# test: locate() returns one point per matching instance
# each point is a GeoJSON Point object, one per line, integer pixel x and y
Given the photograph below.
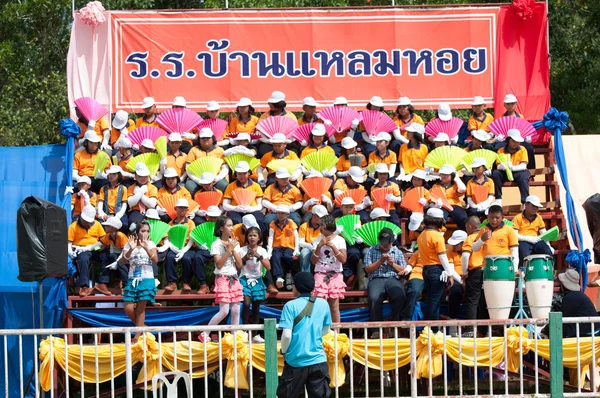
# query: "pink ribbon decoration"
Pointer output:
{"type": "Point", "coordinates": [92, 14]}
{"type": "Point", "coordinates": [523, 8]}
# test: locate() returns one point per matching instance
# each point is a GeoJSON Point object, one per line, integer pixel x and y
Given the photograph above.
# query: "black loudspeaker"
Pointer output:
{"type": "Point", "coordinates": [42, 241]}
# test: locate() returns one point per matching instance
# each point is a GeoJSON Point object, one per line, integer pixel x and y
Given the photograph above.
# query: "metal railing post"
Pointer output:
{"type": "Point", "coordinates": [556, 355]}
{"type": "Point", "coordinates": [271, 352]}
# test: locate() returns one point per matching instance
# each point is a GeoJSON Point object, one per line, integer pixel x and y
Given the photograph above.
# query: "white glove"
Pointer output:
{"type": "Point", "coordinates": [499, 138]}
{"type": "Point", "coordinates": [161, 211]}
{"type": "Point", "coordinates": [444, 277]}
{"type": "Point", "coordinates": [269, 252]}
{"type": "Point", "coordinates": [367, 201]}
{"type": "Point", "coordinates": [135, 147]}
{"type": "Point", "coordinates": [242, 209]}
{"type": "Point", "coordinates": [163, 248]}
{"type": "Point", "coordinates": [112, 266]}
{"type": "Point", "coordinates": [143, 189]}
{"type": "Point", "coordinates": [84, 194]}
{"type": "Point", "coordinates": [455, 139]}
{"type": "Point", "coordinates": [501, 167]}
{"type": "Point", "coordinates": [106, 147]}
{"type": "Point", "coordinates": [296, 253]}
{"type": "Point", "coordinates": [357, 226]}
{"type": "Point", "coordinates": [188, 136]}
{"type": "Point", "coordinates": [438, 204]}
{"type": "Point", "coordinates": [532, 239]}
{"type": "Point", "coordinates": [173, 248]}
{"type": "Point", "coordinates": [124, 132]}
{"type": "Point", "coordinates": [327, 173]}
{"type": "Point", "coordinates": [180, 255]}
{"type": "Point", "coordinates": [487, 173]}
{"type": "Point", "coordinates": [73, 254]}
{"type": "Point", "coordinates": [312, 202]}
{"type": "Point", "coordinates": [390, 197]}
{"type": "Point", "coordinates": [510, 166]}
{"type": "Point", "coordinates": [201, 213]}
{"type": "Point", "coordinates": [100, 175]}
{"type": "Point", "coordinates": [528, 139]}
{"type": "Point", "coordinates": [163, 162]}
{"type": "Point", "coordinates": [355, 124]}
{"type": "Point", "coordinates": [91, 124]}
{"type": "Point", "coordinates": [359, 240]}
{"type": "Point", "coordinates": [423, 201]}
{"type": "Point", "coordinates": [325, 199]}
{"type": "Point", "coordinates": [304, 143]}
{"type": "Point", "coordinates": [327, 122]}
{"type": "Point", "coordinates": [261, 180]}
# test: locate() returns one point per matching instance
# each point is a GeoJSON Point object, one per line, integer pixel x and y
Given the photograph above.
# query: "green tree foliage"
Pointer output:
{"type": "Point", "coordinates": [34, 40]}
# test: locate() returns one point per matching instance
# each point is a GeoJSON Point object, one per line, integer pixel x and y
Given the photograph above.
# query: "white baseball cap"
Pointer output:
{"type": "Point", "coordinates": [478, 100]}
{"type": "Point", "coordinates": [147, 102]}
{"type": "Point", "coordinates": [403, 101]}
{"type": "Point", "coordinates": [442, 137]}
{"type": "Point", "coordinates": [120, 120]}
{"type": "Point", "coordinates": [278, 138]}
{"type": "Point", "coordinates": [212, 106]}
{"type": "Point", "coordinates": [481, 135]}
{"type": "Point", "coordinates": [148, 143]}
{"type": "Point", "coordinates": [206, 178]}
{"type": "Point", "coordinates": [213, 211]}
{"type": "Point", "coordinates": [152, 214]}
{"type": "Point", "coordinates": [416, 128]}
{"type": "Point", "coordinates": [435, 213]}
{"type": "Point", "coordinates": [348, 142]}
{"type": "Point", "coordinates": [348, 201]}
{"type": "Point", "coordinates": [91, 136]}
{"type": "Point", "coordinates": [115, 169]}
{"type": "Point", "coordinates": [534, 200]}
{"type": "Point", "coordinates": [282, 209]}
{"type": "Point", "coordinates": [206, 132]}
{"type": "Point", "coordinates": [113, 222]}
{"type": "Point", "coordinates": [249, 221]}
{"type": "Point", "coordinates": [179, 101]}
{"type": "Point", "coordinates": [276, 96]}
{"type": "Point", "coordinates": [282, 173]}
{"type": "Point", "coordinates": [123, 142]}
{"type": "Point", "coordinates": [419, 174]}
{"type": "Point", "coordinates": [447, 169]}
{"type": "Point", "coordinates": [84, 180]}
{"type": "Point", "coordinates": [183, 202]}
{"type": "Point", "coordinates": [515, 134]}
{"type": "Point", "coordinates": [242, 167]}
{"type": "Point", "coordinates": [310, 101]}
{"type": "Point", "coordinates": [319, 210]}
{"type": "Point", "coordinates": [382, 137]}
{"type": "Point", "coordinates": [356, 174]}
{"type": "Point", "coordinates": [377, 213]}
{"type": "Point", "coordinates": [340, 101]}
{"type": "Point", "coordinates": [415, 221]}
{"type": "Point", "coordinates": [382, 168]}
{"type": "Point", "coordinates": [376, 101]}
{"type": "Point", "coordinates": [444, 112]}
{"type": "Point", "coordinates": [510, 99]}
{"type": "Point", "coordinates": [478, 162]}
{"type": "Point", "coordinates": [88, 213]}
{"type": "Point", "coordinates": [170, 173]}
{"type": "Point", "coordinates": [457, 237]}
{"type": "Point", "coordinates": [244, 102]}
{"type": "Point", "coordinates": [318, 130]}
{"type": "Point", "coordinates": [142, 170]}
{"type": "Point", "coordinates": [242, 137]}
{"type": "Point", "coordinates": [175, 137]}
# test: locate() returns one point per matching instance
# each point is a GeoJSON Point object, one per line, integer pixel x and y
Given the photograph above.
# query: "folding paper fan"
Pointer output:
{"type": "Point", "coordinates": [233, 160]}
{"type": "Point", "coordinates": [356, 159]}
{"type": "Point", "coordinates": [193, 207]}
{"type": "Point", "coordinates": [438, 192]}
{"type": "Point", "coordinates": [90, 108]}
{"type": "Point", "coordinates": [315, 187]}
{"type": "Point", "coordinates": [243, 197]}
{"type": "Point", "coordinates": [357, 194]}
{"type": "Point", "coordinates": [302, 133]}
{"type": "Point", "coordinates": [152, 160]}
{"type": "Point", "coordinates": [217, 126]}
{"type": "Point", "coordinates": [507, 222]}
{"type": "Point", "coordinates": [551, 234]}
{"type": "Point", "coordinates": [450, 127]}
{"type": "Point", "coordinates": [410, 201]}
{"type": "Point", "coordinates": [146, 132]}
{"type": "Point", "coordinates": [347, 223]}
{"type": "Point", "coordinates": [501, 126]}
{"type": "Point", "coordinates": [253, 136]}
{"type": "Point", "coordinates": [370, 231]}
{"type": "Point", "coordinates": [102, 160]}
{"type": "Point", "coordinates": [371, 168]}
{"type": "Point", "coordinates": [378, 195]}
{"type": "Point", "coordinates": [504, 159]}
{"type": "Point", "coordinates": [207, 199]}
{"type": "Point", "coordinates": [179, 120]}
{"type": "Point", "coordinates": [480, 193]}
{"type": "Point", "coordinates": [489, 156]}
{"type": "Point", "coordinates": [277, 124]}
{"type": "Point", "coordinates": [341, 117]}
{"type": "Point", "coordinates": [158, 230]}
{"type": "Point", "coordinates": [204, 234]}
{"type": "Point", "coordinates": [168, 203]}
{"type": "Point", "coordinates": [376, 122]}
{"type": "Point", "coordinates": [445, 155]}
{"type": "Point", "coordinates": [177, 235]}
{"type": "Point", "coordinates": [161, 146]}
{"type": "Point", "coordinates": [204, 165]}
{"type": "Point", "coordinates": [319, 161]}
{"type": "Point", "coordinates": [290, 165]}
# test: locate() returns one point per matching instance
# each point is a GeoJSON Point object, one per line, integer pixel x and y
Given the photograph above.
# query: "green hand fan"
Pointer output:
{"type": "Point", "coordinates": [504, 159]}
{"type": "Point", "coordinates": [290, 165]}
{"type": "Point", "coordinates": [370, 231]}
{"type": "Point", "coordinates": [506, 222]}
{"type": "Point", "coordinates": [178, 235]}
{"type": "Point", "coordinates": [371, 168]}
{"type": "Point", "coordinates": [551, 235]}
{"type": "Point", "coordinates": [203, 234]}
{"type": "Point", "coordinates": [161, 146]}
{"type": "Point", "coordinates": [445, 155]}
{"type": "Point", "coordinates": [158, 230]}
{"type": "Point", "coordinates": [347, 223]}
{"type": "Point", "coordinates": [101, 162]}
{"type": "Point", "coordinates": [319, 161]}
{"type": "Point", "coordinates": [203, 165]}
{"type": "Point", "coordinates": [489, 156]}
{"type": "Point", "coordinates": [233, 160]}
{"type": "Point", "coordinates": [152, 160]}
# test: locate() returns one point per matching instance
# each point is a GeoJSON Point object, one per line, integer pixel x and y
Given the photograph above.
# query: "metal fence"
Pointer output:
{"type": "Point", "coordinates": [365, 360]}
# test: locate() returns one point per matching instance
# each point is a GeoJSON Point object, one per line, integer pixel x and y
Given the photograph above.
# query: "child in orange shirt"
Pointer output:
{"type": "Point", "coordinates": [404, 116]}
{"type": "Point", "coordinates": [412, 154]}
{"type": "Point", "coordinates": [83, 197]}
{"type": "Point", "coordinates": [150, 115]}
{"type": "Point", "coordinates": [454, 190]}
{"type": "Point", "coordinates": [472, 271]}
{"type": "Point", "coordinates": [479, 120]}
{"type": "Point", "coordinates": [480, 189]}
{"type": "Point", "coordinates": [283, 246]}
{"type": "Point", "coordinates": [518, 165]}
{"type": "Point", "coordinates": [528, 225]}
{"type": "Point", "coordinates": [454, 253]}
{"type": "Point", "coordinates": [110, 252]}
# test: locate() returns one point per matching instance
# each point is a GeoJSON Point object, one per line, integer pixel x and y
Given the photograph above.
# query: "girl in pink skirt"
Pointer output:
{"type": "Point", "coordinates": [228, 290]}
{"type": "Point", "coordinates": [328, 256]}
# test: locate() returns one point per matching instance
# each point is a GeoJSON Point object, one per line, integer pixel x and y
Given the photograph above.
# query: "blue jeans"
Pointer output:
{"type": "Point", "coordinates": [378, 289]}
{"type": "Point", "coordinates": [413, 293]}
{"type": "Point", "coordinates": [521, 178]}
{"type": "Point", "coordinates": [281, 260]}
{"type": "Point", "coordinates": [435, 290]}
{"type": "Point", "coordinates": [294, 216]}
{"type": "Point", "coordinates": [353, 257]}
{"type": "Point", "coordinates": [305, 254]}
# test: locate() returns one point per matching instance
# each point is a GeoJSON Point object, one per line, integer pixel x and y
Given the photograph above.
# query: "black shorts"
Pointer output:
{"type": "Point", "coordinates": [314, 377]}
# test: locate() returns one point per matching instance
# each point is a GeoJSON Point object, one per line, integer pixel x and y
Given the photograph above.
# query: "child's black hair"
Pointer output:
{"type": "Point", "coordinates": [434, 222]}
{"type": "Point", "coordinates": [329, 223]}
{"type": "Point", "coordinates": [496, 209]}
{"type": "Point", "coordinates": [254, 229]}
{"type": "Point", "coordinates": [220, 223]}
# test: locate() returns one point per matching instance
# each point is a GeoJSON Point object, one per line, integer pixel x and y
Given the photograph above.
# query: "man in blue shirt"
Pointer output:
{"type": "Point", "coordinates": [304, 322]}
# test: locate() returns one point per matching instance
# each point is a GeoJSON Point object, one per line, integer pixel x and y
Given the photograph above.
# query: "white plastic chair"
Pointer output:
{"type": "Point", "coordinates": [171, 384]}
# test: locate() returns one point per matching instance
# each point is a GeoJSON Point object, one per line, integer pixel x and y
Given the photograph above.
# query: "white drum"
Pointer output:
{"type": "Point", "coordinates": [499, 285]}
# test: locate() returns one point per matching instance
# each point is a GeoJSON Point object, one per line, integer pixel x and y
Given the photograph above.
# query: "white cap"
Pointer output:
{"type": "Point", "coordinates": [415, 221]}
{"type": "Point", "coordinates": [534, 200]}
{"type": "Point", "coordinates": [242, 137]}
{"type": "Point", "coordinates": [310, 101]}
{"type": "Point", "coordinates": [435, 213]}
{"type": "Point", "coordinates": [510, 99]}
{"type": "Point", "coordinates": [442, 137]}
{"type": "Point", "coordinates": [179, 101]}
{"type": "Point", "coordinates": [282, 173]}
{"type": "Point", "coordinates": [242, 167]}
{"type": "Point", "coordinates": [276, 96]}
{"type": "Point", "coordinates": [183, 202]}
{"type": "Point", "coordinates": [212, 106]}
{"type": "Point", "coordinates": [175, 137]}
{"type": "Point", "coordinates": [356, 174]}
{"type": "Point", "coordinates": [416, 128]}
{"type": "Point", "coordinates": [142, 170]}
{"type": "Point", "coordinates": [91, 136]}
{"type": "Point", "coordinates": [319, 210]}
{"type": "Point", "coordinates": [206, 178]}
{"type": "Point", "coordinates": [113, 222]}
{"type": "Point", "coordinates": [249, 221]}
{"type": "Point", "coordinates": [348, 201]}
{"type": "Point", "coordinates": [419, 174]}
{"type": "Point", "coordinates": [348, 142]}
{"type": "Point", "coordinates": [376, 101]}
{"type": "Point", "coordinates": [447, 169]}
{"type": "Point", "coordinates": [152, 214]}
{"type": "Point", "coordinates": [84, 179]}
{"type": "Point", "coordinates": [206, 132]}
{"type": "Point", "coordinates": [282, 209]}
{"type": "Point", "coordinates": [478, 162]}
{"type": "Point", "coordinates": [318, 130]}
{"type": "Point", "coordinates": [123, 142]}
{"type": "Point", "coordinates": [340, 101]}
{"type": "Point", "coordinates": [481, 135]}
{"type": "Point", "coordinates": [444, 112]}
{"type": "Point", "coordinates": [382, 137]}
{"type": "Point", "coordinates": [213, 211]}
{"type": "Point", "coordinates": [120, 120]}
{"type": "Point", "coordinates": [88, 213]}
{"type": "Point", "coordinates": [278, 138]}
{"type": "Point", "coordinates": [147, 102]}
{"type": "Point", "coordinates": [115, 169]}
{"type": "Point", "coordinates": [170, 173]}
{"type": "Point", "coordinates": [244, 102]}
{"type": "Point", "coordinates": [313, 173]}
{"type": "Point", "coordinates": [403, 101]}
{"type": "Point", "coordinates": [377, 213]}
{"type": "Point", "coordinates": [382, 168]}
{"type": "Point", "coordinates": [457, 237]}
{"type": "Point", "coordinates": [515, 135]}
{"type": "Point", "coordinates": [478, 100]}
{"type": "Point", "coordinates": [148, 144]}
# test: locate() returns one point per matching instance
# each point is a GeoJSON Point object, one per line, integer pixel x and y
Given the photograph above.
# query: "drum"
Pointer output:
{"type": "Point", "coordinates": [499, 285]}
{"type": "Point", "coordinates": [539, 284]}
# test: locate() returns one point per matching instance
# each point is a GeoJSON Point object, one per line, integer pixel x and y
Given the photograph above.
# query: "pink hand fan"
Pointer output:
{"type": "Point", "coordinates": [90, 108]}
{"type": "Point", "coordinates": [341, 117]}
{"type": "Point", "coordinates": [501, 126]}
{"type": "Point", "coordinates": [141, 133]}
{"type": "Point", "coordinates": [253, 136]}
{"type": "Point", "coordinates": [277, 124]}
{"type": "Point", "coordinates": [450, 127]}
{"type": "Point", "coordinates": [218, 126]}
{"type": "Point", "coordinates": [302, 133]}
{"type": "Point", "coordinates": [179, 120]}
{"type": "Point", "coordinates": [376, 122]}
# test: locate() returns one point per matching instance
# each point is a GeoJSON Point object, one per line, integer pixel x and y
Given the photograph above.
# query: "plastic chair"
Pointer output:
{"type": "Point", "coordinates": [171, 384]}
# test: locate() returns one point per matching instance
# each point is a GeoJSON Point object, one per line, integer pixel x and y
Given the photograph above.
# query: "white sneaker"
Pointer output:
{"type": "Point", "coordinates": [289, 281]}
{"type": "Point", "coordinates": [257, 339]}
{"type": "Point", "coordinates": [279, 283]}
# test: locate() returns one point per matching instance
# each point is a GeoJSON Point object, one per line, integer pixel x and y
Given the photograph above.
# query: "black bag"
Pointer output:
{"type": "Point", "coordinates": [41, 240]}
